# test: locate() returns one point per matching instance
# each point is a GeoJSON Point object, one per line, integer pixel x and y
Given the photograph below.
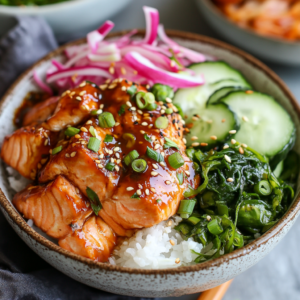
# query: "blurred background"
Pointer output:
{"type": "Point", "coordinates": [277, 276]}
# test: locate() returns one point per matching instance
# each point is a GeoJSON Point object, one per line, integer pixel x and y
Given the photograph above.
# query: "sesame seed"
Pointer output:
{"type": "Point", "coordinates": [195, 118]}
{"type": "Point", "coordinates": [203, 144]}
{"type": "Point", "coordinates": [101, 106]}
{"type": "Point", "coordinates": [82, 84]}
{"type": "Point", "coordinates": [208, 218]}
{"type": "Point", "coordinates": [139, 192]}
{"type": "Point", "coordinates": [82, 93]}
{"type": "Point", "coordinates": [233, 141]}
{"type": "Point", "coordinates": [162, 163]}
{"type": "Point", "coordinates": [101, 155]}
{"type": "Point", "coordinates": [110, 152]}
{"type": "Point", "coordinates": [78, 98]}
{"type": "Point", "coordinates": [50, 151]}
{"type": "Point", "coordinates": [73, 154]}
{"type": "Point", "coordinates": [155, 166]}
{"type": "Point", "coordinates": [195, 144]}
{"type": "Point", "coordinates": [117, 155]}
{"type": "Point", "coordinates": [89, 122]}
{"type": "Point", "coordinates": [123, 88]}
{"type": "Point", "coordinates": [77, 190]}
{"type": "Point", "coordinates": [176, 126]}
{"type": "Point", "coordinates": [117, 168]}
{"type": "Point", "coordinates": [116, 149]}
{"type": "Point", "coordinates": [83, 129]}
{"type": "Point", "coordinates": [223, 120]}
{"type": "Point", "coordinates": [249, 92]}
{"type": "Point", "coordinates": [98, 161]}
{"type": "Point", "coordinates": [163, 153]}
{"type": "Point", "coordinates": [67, 155]}
{"type": "Point", "coordinates": [154, 173]}
{"type": "Point", "coordinates": [107, 81]}
{"type": "Point", "coordinates": [150, 126]}
{"type": "Point", "coordinates": [225, 147]}
{"type": "Point", "coordinates": [123, 70]}
{"type": "Point", "coordinates": [245, 119]}
{"type": "Point", "coordinates": [111, 70]}
{"type": "Point", "coordinates": [156, 146]}
{"type": "Point", "coordinates": [118, 161]}
{"type": "Point", "coordinates": [140, 112]}
{"type": "Point", "coordinates": [147, 192]}
{"type": "Point", "coordinates": [213, 137]}
{"type": "Point", "coordinates": [241, 150]}
{"type": "Point", "coordinates": [153, 190]}
{"type": "Point", "coordinates": [168, 182]}
{"type": "Point", "coordinates": [45, 134]}
{"type": "Point", "coordinates": [177, 261]}
{"type": "Point", "coordinates": [117, 124]}
{"type": "Point", "coordinates": [112, 160]}
{"type": "Point", "coordinates": [100, 166]}
{"type": "Point", "coordinates": [153, 138]}
{"type": "Point", "coordinates": [232, 131]}
{"type": "Point", "coordinates": [168, 100]}
{"type": "Point", "coordinates": [72, 93]}
{"type": "Point", "coordinates": [112, 86]}
{"type": "Point", "coordinates": [187, 173]}
{"type": "Point", "coordinates": [172, 242]}
{"type": "Point", "coordinates": [133, 108]}
{"type": "Point", "coordinates": [142, 131]}
{"type": "Point", "coordinates": [128, 104]}
{"type": "Point", "coordinates": [135, 118]}
{"type": "Point", "coordinates": [130, 188]}
{"type": "Point", "coordinates": [244, 145]}
{"type": "Point", "coordinates": [144, 124]}
{"type": "Point", "coordinates": [162, 111]}
{"type": "Point", "coordinates": [77, 136]}
{"type": "Point", "coordinates": [193, 138]}
{"type": "Point", "coordinates": [162, 141]}
{"type": "Point", "coordinates": [40, 129]}
{"type": "Point", "coordinates": [227, 158]}
{"type": "Point", "coordinates": [46, 143]}
{"type": "Point", "coordinates": [184, 140]}
{"type": "Point", "coordinates": [103, 87]}
{"type": "Point", "coordinates": [230, 179]}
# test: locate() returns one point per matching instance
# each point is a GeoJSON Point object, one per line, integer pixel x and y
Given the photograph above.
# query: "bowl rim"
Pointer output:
{"type": "Point", "coordinates": [218, 13]}
{"type": "Point", "coordinates": [36, 9]}
{"type": "Point", "coordinates": [287, 217]}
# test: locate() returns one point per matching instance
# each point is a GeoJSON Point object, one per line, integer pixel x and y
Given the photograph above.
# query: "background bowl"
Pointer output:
{"type": "Point", "coordinates": [166, 282]}
{"type": "Point", "coordinates": [267, 48]}
{"type": "Point", "coordinates": [66, 18]}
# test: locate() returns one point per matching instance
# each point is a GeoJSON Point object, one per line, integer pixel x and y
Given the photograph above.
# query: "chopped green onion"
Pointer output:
{"type": "Point", "coordinates": [184, 228]}
{"type": "Point", "coordinates": [161, 122]}
{"type": "Point", "coordinates": [176, 160]}
{"type": "Point", "coordinates": [106, 120]}
{"type": "Point", "coordinates": [130, 157]}
{"type": "Point", "coordinates": [56, 150]}
{"type": "Point", "coordinates": [146, 137]}
{"type": "Point", "coordinates": [108, 138]}
{"type": "Point", "coordinates": [179, 177]}
{"type": "Point", "coordinates": [170, 144]}
{"type": "Point", "coordinates": [130, 138]}
{"type": "Point", "coordinates": [151, 106]}
{"type": "Point", "coordinates": [92, 131]}
{"type": "Point", "coordinates": [94, 200]}
{"type": "Point", "coordinates": [96, 112]}
{"type": "Point", "coordinates": [71, 131]}
{"type": "Point", "coordinates": [193, 220]}
{"type": "Point", "coordinates": [131, 90]}
{"type": "Point", "coordinates": [263, 188]}
{"type": "Point", "coordinates": [110, 166]}
{"type": "Point", "coordinates": [222, 209]}
{"type": "Point", "coordinates": [214, 227]}
{"type": "Point", "coordinates": [161, 92]}
{"type": "Point", "coordinates": [149, 97]}
{"type": "Point", "coordinates": [122, 110]}
{"type": "Point", "coordinates": [139, 165]}
{"type": "Point", "coordinates": [139, 102]}
{"type": "Point", "coordinates": [169, 111]}
{"type": "Point", "coordinates": [186, 208]}
{"type": "Point", "coordinates": [158, 201]}
{"type": "Point", "coordinates": [135, 196]}
{"type": "Point", "coordinates": [93, 144]}
{"type": "Point", "coordinates": [180, 111]}
{"type": "Point", "coordinates": [154, 155]}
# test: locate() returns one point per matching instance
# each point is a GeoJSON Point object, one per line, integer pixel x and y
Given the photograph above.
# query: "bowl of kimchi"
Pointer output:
{"type": "Point", "coordinates": [270, 32]}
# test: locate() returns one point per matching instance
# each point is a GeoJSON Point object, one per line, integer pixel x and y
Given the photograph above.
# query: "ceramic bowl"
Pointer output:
{"type": "Point", "coordinates": [166, 282]}
{"type": "Point", "coordinates": [267, 48]}
{"type": "Point", "coordinates": [66, 18]}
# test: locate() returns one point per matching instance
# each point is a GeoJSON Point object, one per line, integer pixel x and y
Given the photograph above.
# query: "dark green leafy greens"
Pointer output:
{"type": "Point", "coordinates": [239, 197]}
{"type": "Point", "coordinates": [94, 200]}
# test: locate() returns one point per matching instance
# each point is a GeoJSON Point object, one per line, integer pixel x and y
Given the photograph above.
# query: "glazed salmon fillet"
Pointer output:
{"type": "Point", "coordinates": [95, 240]}
{"type": "Point", "coordinates": [27, 149]}
{"type": "Point", "coordinates": [54, 207]}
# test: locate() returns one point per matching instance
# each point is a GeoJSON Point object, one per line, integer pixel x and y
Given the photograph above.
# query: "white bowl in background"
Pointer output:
{"type": "Point", "coordinates": [267, 48]}
{"type": "Point", "coordinates": [66, 18]}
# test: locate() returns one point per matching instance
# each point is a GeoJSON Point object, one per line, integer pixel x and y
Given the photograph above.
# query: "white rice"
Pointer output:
{"type": "Point", "coordinates": [149, 248]}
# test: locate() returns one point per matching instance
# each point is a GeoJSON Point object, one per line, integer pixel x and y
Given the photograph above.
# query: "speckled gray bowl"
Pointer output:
{"type": "Point", "coordinates": [166, 282]}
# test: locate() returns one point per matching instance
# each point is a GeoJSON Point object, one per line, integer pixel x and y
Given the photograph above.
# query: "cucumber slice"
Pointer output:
{"type": "Point", "coordinates": [220, 93]}
{"type": "Point", "coordinates": [269, 129]}
{"type": "Point", "coordinates": [211, 123]}
{"type": "Point", "coordinates": [217, 70]}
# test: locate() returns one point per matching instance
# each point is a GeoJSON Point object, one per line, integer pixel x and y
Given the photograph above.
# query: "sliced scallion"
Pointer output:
{"type": "Point", "coordinates": [56, 150]}
{"type": "Point", "coordinates": [92, 131]}
{"type": "Point", "coordinates": [146, 137]}
{"type": "Point", "coordinates": [154, 155]}
{"type": "Point", "coordinates": [176, 160]}
{"type": "Point", "coordinates": [158, 201]}
{"type": "Point", "coordinates": [180, 177]}
{"type": "Point", "coordinates": [161, 122]}
{"type": "Point", "coordinates": [110, 166]}
{"type": "Point", "coordinates": [151, 106]}
{"type": "Point", "coordinates": [71, 131]}
{"type": "Point", "coordinates": [130, 157]}
{"type": "Point", "coordinates": [106, 120]}
{"type": "Point", "coordinates": [131, 90]}
{"type": "Point", "coordinates": [96, 112]}
{"type": "Point", "coordinates": [194, 220]}
{"type": "Point", "coordinates": [135, 196]}
{"type": "Point", "coordinates": [94, 200]}
{"type": "Point", "coordinates": [149, 97]}
{"type": "Point", "coordinates": [263, 188]}
{"type": "Point", "coordinates": [214, 227]}
{"type": "Point", "coordinates": [140, 101]}
{"type": "Point", "coordinates": [186, 208]}
{"type": "Point", "coordinates": [93, 144]}
{"type": "Point", "coordinates": [108, 138]}
{"type": "Point", "coordinates": [122, 110]}
{"type": "Point", "coordinates": [170, 144]}
{"type": "Point", "coordinates": [130, 138]}
{"type": "Point", "coordinates": [169, 111]}
{"type": "Point", "coordinates": [139, 165]}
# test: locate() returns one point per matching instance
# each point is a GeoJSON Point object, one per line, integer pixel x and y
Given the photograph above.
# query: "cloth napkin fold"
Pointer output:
{"type": "Point", "coordinates": [23, 274]}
